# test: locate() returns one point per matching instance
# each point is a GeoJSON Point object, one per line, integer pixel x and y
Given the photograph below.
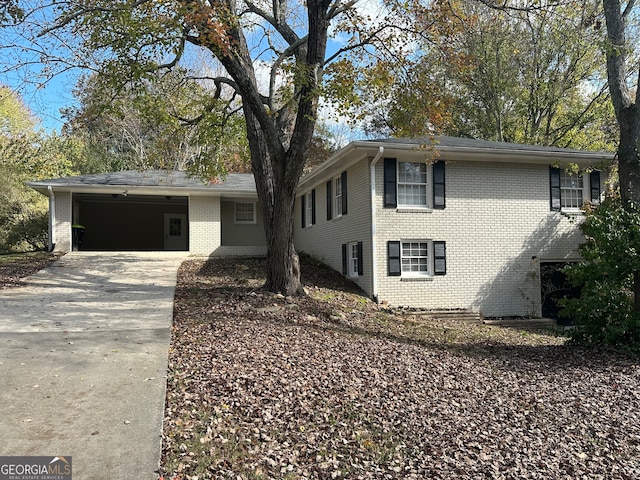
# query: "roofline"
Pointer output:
{"type": "Point", "coordinates": [43, 187]}
{"type": "Point", "coordinates": [509, 153]}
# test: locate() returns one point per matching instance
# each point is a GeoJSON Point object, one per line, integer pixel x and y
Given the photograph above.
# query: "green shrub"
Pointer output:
{"type": "Point", "coordinates": [605, 313]}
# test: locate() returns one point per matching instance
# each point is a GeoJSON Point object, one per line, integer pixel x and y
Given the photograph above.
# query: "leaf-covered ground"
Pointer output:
{"type": "Point", "coordinates": [15, 267]}
{"type": "Point", "coordinates": [331, 386]}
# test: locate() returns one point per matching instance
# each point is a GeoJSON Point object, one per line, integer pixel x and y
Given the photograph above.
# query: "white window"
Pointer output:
{"type": "Point", "coordinates": [572, 193]}
{"type": "Point", "coordinates": [352, 259]}
{"type": "Point", "coordinates": [412, 184]}
{"type": "Point", "coordinates": [337, 197]}
{"type": "Point", "coordinates": [309, 203]}
{"type": "Point", "coordinates": [415, 255]}
{"type": "Point", "coordinates": [245, 212]}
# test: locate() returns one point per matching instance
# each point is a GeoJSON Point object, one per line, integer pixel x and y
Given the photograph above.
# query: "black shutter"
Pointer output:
{"type": "Point", "coordinates": [554, 188]}
{"type": "Point", "coordinates": [594, 180]}
{"type": "Point", "coordinates": [438, 185]}
{"type": "Point", "coordinates": [329, 199]}
{"type": "Point", "coordinates": [303, 209]}
{"type": "Point", "coordinates": [393, 259]}
{"type": "Point", "coordinates": [344, 258]}
{"type": "Point", "coordinates": [390, 185]}
{"type": "Point", "coordinates": [343, 181]}
{"type": "Point", "coordinates": [439, 258]}
{"type": "Point", "coordinates": [360, 260]}
{"type": "Point", "coordinates": [313, 206]}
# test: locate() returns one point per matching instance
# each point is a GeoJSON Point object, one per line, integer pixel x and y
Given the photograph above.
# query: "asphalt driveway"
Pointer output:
{"type": "Point", "coordinates": [83, 359]}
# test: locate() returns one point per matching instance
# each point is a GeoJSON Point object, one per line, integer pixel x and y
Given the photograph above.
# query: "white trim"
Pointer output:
{"type": "Point", "coordinates": [428, 205]}
{"type": "Point", "coordinates": [374, 253]}
{"type": "Point", "coordinates": [337, 205]}
{"type": "Point", "coordinates": [308, 209]}
{"type": "Point", "coordinates": [429, 272]}
{"type": "Point", "coordinates": [352, 272]}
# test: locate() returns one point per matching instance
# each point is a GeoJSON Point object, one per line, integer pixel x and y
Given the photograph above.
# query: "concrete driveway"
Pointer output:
{"type": "Point", "coordinates": [83, 359]}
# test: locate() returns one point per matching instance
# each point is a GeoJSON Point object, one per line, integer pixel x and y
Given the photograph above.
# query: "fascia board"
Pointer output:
{"type": "Point", "coordinates": [142, 190]}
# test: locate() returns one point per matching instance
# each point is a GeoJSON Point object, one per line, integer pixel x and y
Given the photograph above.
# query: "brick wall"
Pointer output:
{"type": "Point", "coordinates": [497, 219]}
{"type": "Point", "coordinates": [204, 225]}
{"type": "Point", "coordinates": [62, 224]}
{"type": "Point", "coordinates": [324, 240]}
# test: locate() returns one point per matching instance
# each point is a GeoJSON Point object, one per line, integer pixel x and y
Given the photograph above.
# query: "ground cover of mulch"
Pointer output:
{"type": "Point", "coordinates": [15, 267]}
{"type": "Point", "coordinates": [333, 386]}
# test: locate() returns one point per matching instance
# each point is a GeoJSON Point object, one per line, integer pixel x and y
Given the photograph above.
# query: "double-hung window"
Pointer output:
{"type": "Point", "coordinates": [569, 191]}
{"type": "Point", "coordinates": [352, 259]}
{"type": "Point", "coordinates": [416, 258]}
{"type": "Point", "coordinates": [412, 184]}
{"type": "Point", "coordinates": [572, 190]}
{"type": "Point", "coordinates": [308, 208]}
{"type": "Point", "coordinates": [245, 212]}
{"type": "Point", "coordinates": [309, 204]}
{"type": "Point", "coordinates": [337, 197]}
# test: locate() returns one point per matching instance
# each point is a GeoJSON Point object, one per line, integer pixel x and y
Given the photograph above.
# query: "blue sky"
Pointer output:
{"type": "Point", "coordinates": [46, 101]}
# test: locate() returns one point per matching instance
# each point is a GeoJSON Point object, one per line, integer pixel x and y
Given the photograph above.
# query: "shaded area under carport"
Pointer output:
{"type": "Point", "coordinates": [122, 222]}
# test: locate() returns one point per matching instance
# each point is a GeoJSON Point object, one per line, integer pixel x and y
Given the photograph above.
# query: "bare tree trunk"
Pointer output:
{"type": "Point", "coordinates": [627, 112]}
{"type": "Point", "coordinates": [276, 191]}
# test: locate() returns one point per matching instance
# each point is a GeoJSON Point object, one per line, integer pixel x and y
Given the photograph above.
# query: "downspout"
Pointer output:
{"type": "Point", "coordinates": [52, 219]}
{"type": "Point", "coordinates": [374, 256]}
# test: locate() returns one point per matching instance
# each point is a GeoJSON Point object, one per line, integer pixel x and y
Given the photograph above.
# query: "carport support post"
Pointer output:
{"type": "Point", "coordinates": [52, 219]}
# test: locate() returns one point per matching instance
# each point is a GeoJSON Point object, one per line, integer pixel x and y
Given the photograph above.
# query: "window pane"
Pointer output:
{"type": "Point", "coordinates": [245, 212]}
{"type": "Point", "coordinates": [412, 184]}
{"type": "Point", "coordinates": [415, 257]}
{"type": "Point", "coordinates": [571, 190]}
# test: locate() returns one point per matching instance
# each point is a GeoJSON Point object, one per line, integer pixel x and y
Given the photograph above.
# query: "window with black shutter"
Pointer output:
{"type": "Point", "coordinates": [439, 258]}
{"type": "Point", "coordinates": [554, 186]}
{"type": "Point", "coordinates": [390, 187]}
{"type": "Point", "coordinates": [594, 180]}
{"type": "Point", "coordinates": [393, 259]}
{"type": "Point", "coordinates": [438, 185]}
{"type": "Point", "coordinates": [329, 199]}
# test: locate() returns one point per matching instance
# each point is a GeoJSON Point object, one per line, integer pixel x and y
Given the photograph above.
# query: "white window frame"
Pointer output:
{"type": "Point", "coordinates": [429, 257]}
{"type": "Point", "coordinates": [428, 185]}
{"type": "Point", "coordinates": [241, 221]}
{"type": "Point", "coordinates": [566, 177]}
{"type": "Point", "coordinates": [308, 206]}
{"type": "Point", "coordinates": [337, 197]}
{"type": "Point", "coordinates": [352, 259]}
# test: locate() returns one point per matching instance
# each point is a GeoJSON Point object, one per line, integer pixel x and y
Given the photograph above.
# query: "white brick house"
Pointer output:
{"type": "Point", "coordinates": [457, 224]}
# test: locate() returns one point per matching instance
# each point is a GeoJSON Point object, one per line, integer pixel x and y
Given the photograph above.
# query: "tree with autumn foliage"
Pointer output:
{"type": "Point", "coordinates": [522, 75]}
{"type": "Point", "coordinates": [274, 60]}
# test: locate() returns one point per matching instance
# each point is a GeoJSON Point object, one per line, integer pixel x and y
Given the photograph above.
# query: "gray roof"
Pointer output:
{"type": "Point", "coordinates": [233, 182]}
{"type": "Point", "coordinates": [444, 141]}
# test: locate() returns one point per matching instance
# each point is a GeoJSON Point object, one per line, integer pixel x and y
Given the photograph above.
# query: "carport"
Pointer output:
{"type": "Point", "coordinates": [154, 210]}
{"type": "Point", "coordinates": [125, 222]}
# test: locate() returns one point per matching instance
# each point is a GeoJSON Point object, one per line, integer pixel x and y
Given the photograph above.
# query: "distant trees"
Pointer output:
{"type": "Point", "coordinates": [26, 154]}
{"type": "Point", "coordinates": [526, 75]}
{"type": "Point", "coordinates": [158, 123]}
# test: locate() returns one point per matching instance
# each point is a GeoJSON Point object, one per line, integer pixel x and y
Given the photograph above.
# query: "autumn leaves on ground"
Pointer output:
{"type": "Point", "coordinates": [331, 386]}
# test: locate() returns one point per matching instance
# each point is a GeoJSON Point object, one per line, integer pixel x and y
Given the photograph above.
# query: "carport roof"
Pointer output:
{"type": "Point", "coordinates": [149, 181]}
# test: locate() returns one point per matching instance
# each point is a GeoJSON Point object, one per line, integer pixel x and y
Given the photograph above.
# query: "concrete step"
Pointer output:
{"type": "Point", "coordinates": [459, 315]}
{"type": "Point", "coordinates": [523, 323]}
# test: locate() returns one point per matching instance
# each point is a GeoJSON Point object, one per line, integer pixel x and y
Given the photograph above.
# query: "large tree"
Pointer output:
{"type": "Point", "coordinates": [274, 54]}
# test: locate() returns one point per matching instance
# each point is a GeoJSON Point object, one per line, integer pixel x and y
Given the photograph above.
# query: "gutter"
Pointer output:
{"type": "Point", "coordinates": [374, 256]}
{"type": "Point", "coordinates": [52, 218]}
